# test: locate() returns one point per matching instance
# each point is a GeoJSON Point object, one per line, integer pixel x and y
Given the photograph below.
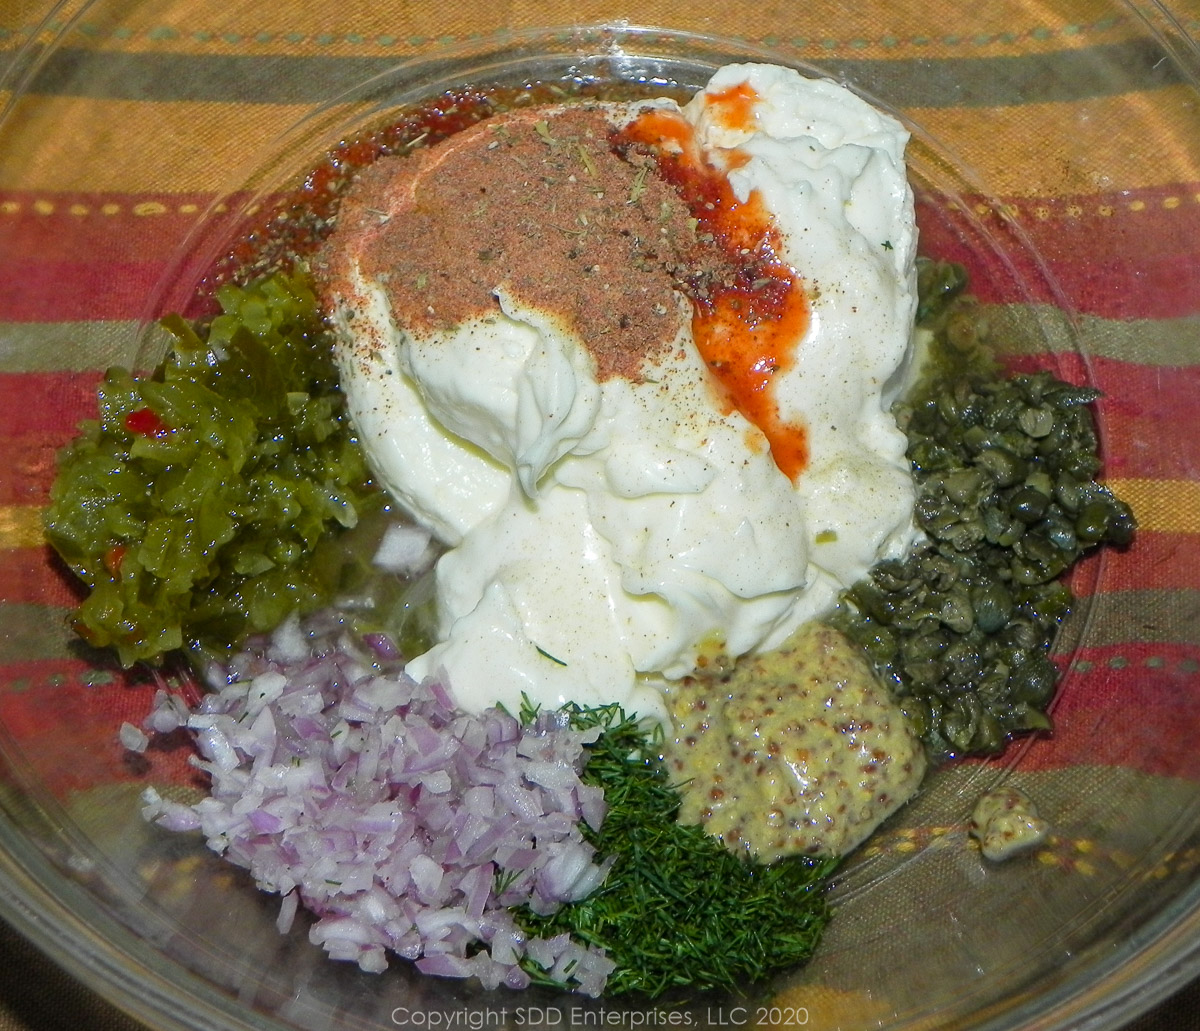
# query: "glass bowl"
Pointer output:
{"type": "Point", "coordinates": [1056, 152]}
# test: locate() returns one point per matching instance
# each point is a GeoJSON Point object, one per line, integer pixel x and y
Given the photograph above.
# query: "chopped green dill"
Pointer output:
{"type": "Point", "coordinates": [546, 655]}
{"type": "Point", "coordinates": [586, 158]}
{"type": "Point", "coordinates": [416, 141]}
{"type": "Point", "coordinates": [678, 910]}
{"type": "Point", "coordinates": [639, 184]}
{"type": "Point", "coordinates": [542, 128]}
{"type": "Point", "coordinates": [504, 880]}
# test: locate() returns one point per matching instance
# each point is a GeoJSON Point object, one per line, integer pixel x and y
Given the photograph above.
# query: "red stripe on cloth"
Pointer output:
{"type": "Point", "coordinates": [66, 291]}
{"type": "Point", "coordinates": [1155, 561]}
{"type": "Point", "coordinates": [1152, 222]}
{"type": "Point", "coordinates": [1130, 413]}
{"type": "Point", "coordinates": [1142, 445]}
{"type": "Point", "coordinates": [29, 461]}
{"type": "Point", "coordinates": [85, 751]}
{"type": "Point", "coordinates": [36, 576]}
{"type": "Point", "coordinates": [63, 258]}
{"type": "Point", "coordinates": [1136, 706]}
{"type": "Point", "coordinates": [1132, 422]}
{"type": "Point", "coordinates": [1121, 265]}
{"type": "Point", "coordinates": [96, 226]}
{"type": "Point", "coordinates": [1128, 264]}
{"type": "Point", "coordinates": [48, 405]}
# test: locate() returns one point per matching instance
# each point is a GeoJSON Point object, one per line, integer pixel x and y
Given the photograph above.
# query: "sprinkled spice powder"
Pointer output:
{"type": "Point", "coordinates": [538, 202]}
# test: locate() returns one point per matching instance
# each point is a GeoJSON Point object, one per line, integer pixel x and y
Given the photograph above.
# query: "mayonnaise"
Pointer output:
{"type": "Point", "coordinates": [604, 525]}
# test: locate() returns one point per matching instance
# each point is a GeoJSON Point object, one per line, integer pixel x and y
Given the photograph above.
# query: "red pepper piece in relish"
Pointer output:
{"type": "Point", "coordinates": [145, 422]}
{"type": "Point", "coordinates": [114, 557]}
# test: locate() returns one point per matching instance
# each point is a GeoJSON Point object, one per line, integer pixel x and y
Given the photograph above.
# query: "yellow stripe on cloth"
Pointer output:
{"type": "Point", "coordinates": [1161, 506]}
{"type": "Point", "coordinates": [117, 143]}
{"type": "Point", "coordinates": [1096, 145]}
{"type": "Point", "coordinates": [1093, 146]}
{"type": "Point", "coordinates": [815, 28]}
{"type": "Point", "coordinates": [21, 526]}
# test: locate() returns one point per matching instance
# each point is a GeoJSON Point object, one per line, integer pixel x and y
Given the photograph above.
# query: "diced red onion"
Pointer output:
{"type": "Point", "coordinates": [382, 645]}
{"type": "Point", "coordinates": [405, 550]}
{"type": "Point", "coordinates": [133, 738]}
{"type": "Point", "coordinates": [372, 801]}
{"type": "Point", "coordinates": [169, 713]}
{"type": "Point", "coordinates": [287, 911]}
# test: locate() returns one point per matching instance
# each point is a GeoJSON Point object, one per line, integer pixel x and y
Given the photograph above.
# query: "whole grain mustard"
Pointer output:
{"type": "Point", "coordinates": [800, 750]}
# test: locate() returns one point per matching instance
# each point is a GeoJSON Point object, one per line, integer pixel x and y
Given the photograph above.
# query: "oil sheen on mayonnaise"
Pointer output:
{"type": "Point", "coordinates": [602, 528]}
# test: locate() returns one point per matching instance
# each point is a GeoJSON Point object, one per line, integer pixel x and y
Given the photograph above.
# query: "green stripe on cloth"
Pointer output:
{"type": "Point", "coordinates": [64, 346]}
{"type": "Point", "coordinates": [35, 632]}
{"type": "Point", "coordinates": [1025, 329]}
{"type": "Point", "coordinates": [1036, 328]}
{"type": "Point", "coordinates": [1104, 70]}
{"type": "Point", "coordinates": [1151, 617]}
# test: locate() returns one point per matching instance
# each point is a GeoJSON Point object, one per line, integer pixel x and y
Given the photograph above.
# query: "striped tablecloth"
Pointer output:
{"type": "Point", "coordinates": [1082, 143]}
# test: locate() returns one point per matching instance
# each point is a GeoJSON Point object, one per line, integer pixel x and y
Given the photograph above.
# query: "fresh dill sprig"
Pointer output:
{"type": "Point", "coordinates": [678, 909]}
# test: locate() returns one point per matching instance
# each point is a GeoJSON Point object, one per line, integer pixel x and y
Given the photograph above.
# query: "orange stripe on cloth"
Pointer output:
{"type": "Point", "coordinates": [1161, 506]}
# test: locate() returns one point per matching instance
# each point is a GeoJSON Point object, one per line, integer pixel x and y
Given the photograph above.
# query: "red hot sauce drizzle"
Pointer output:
{"type": "Point", "coordinates": [746, 322]}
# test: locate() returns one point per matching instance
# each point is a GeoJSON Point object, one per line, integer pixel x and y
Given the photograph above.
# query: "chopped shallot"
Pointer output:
{"type": "Point", "coordinates": [403, 823]}
{"type": "Point", "coordinates": [405, 549]}
{"type": "Point", "coordinates": [133, 738]}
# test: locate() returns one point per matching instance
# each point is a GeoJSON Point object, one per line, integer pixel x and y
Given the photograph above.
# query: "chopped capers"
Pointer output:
{"type": "Point", "coordinates": [1093, 522]}
{"type": "Point", "coordinates": [1037, 422]}
{"type": "Point", "coordinates": [1002, 465]}
{"type": "Point", "coordinates": [938, 283]}
{"type": "Point", "coordinates": [993, 604]}
{"type": "Point", "coordinates": [1007, 500]}
{"type": "Point", "coordinates": [1029, 505]}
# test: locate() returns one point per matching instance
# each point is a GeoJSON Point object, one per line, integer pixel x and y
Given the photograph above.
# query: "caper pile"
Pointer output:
{"type": "Point", "coordinates": [1007, 498]}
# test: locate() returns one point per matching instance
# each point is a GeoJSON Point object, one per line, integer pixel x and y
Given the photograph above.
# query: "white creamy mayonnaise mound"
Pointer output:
{"type": "Point", "coordinates": [600, 530]}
